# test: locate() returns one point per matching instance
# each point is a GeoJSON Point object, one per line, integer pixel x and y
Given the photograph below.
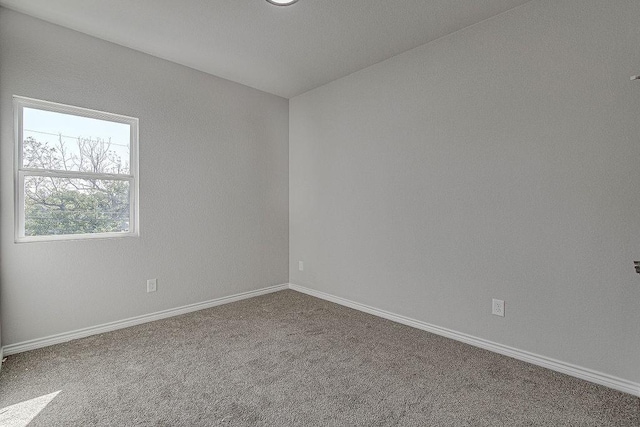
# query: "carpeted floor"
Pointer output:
{"type": "Point", "coordinates": [288, 359]}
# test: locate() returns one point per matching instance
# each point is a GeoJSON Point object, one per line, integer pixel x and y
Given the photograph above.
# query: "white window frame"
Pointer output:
{"type": "Point", "coordinates": [21, 102]}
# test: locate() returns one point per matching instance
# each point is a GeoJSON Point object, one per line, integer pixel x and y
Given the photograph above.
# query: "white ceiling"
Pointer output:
{"type": "Point", "coordinates": [281, 50]}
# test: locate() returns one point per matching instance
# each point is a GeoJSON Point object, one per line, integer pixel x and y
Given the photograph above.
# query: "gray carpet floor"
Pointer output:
{"type": "Point", "coordinates": [287, 359]}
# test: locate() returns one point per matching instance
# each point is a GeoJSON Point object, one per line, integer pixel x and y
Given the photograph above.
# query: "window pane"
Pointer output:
{"type": "Point", "coordinates": [75, 206]}
{"type": "Point", "coordinates": [73, 143]}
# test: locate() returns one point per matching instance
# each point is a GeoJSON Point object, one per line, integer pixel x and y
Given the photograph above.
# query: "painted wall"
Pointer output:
{"type": "Point", "coordinates": [502, 161]}
{"type": "Point", "coordinates": [213, 185]}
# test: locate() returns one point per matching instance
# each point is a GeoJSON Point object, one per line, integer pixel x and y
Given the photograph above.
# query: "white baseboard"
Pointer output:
{"type": "Point", "coordinates": [132, 321]}
{"type": "Point", "coordinates": [546, 362]}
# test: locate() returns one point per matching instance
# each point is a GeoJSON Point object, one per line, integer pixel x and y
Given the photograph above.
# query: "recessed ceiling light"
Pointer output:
{"type": "Point", "coordinates": [282, 2]}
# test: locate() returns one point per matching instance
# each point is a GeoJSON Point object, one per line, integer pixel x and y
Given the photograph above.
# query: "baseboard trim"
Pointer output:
{"type": "Point", "coordinates": [546, 362]}
{"type": "Point", "coordinates": [536, 359]}
{"type": "Point", "coordinates": [132, 321]}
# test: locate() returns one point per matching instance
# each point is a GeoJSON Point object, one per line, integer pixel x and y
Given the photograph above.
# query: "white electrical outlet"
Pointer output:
{"type": "Point", "coordinates": [300, 266]}
{"type": "Point", "coordinates": [497, 307]}
{"type": "Point", "coordinates": [152, 285]}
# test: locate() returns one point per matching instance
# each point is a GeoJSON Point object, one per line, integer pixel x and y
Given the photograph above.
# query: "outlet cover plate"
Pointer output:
{"type": "Point", "coordinates": [152, 285]}
{"type": "Point", "coordinates": [497, 307]}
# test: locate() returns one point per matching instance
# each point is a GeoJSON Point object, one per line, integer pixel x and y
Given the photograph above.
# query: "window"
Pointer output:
{"type": "Point", "coordinates": [75, 172]}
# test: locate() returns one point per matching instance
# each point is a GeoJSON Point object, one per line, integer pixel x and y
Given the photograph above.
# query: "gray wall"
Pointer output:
{"type": "Point", "coordinates": [502, 161]}
{"type": "Point", "coordinates": [213, 185]}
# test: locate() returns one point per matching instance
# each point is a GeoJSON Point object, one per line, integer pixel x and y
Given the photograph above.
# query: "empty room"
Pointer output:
{"type": "Point", "coordinates": [320, 212]}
